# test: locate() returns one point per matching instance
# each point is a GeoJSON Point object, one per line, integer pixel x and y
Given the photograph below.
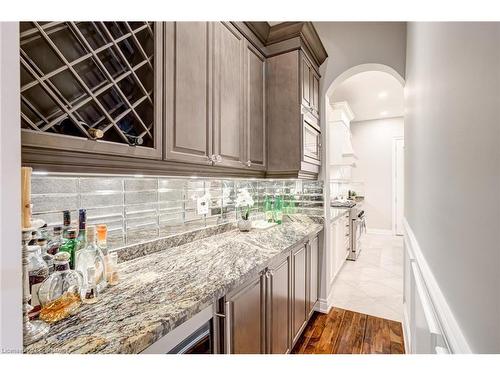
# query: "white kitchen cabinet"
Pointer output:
{"type": "Point", "coordinates": [340, 238]}
{"type": "Point", "coordinates": [341, 152]}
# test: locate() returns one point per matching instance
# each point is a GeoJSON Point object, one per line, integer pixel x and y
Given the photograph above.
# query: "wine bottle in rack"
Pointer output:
{"type": "Point", "coordinates": [129, 131]}
{"type": "Point", "coordinates": [68, 127]}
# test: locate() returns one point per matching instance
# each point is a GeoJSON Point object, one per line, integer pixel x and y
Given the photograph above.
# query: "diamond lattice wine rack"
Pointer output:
{"type": "Point", "coordinates": [89, 81]}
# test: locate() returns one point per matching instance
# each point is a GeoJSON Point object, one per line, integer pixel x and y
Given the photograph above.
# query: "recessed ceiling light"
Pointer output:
{"type": "Point", "coordinates": [383, 113]}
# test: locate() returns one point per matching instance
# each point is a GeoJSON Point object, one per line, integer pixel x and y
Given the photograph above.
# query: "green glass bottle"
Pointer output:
{"type": "Point", "coordinates": [278, 209]}
{"type": "Point", "coordinates": [70, 247]}
{"type": "Point", "coordinates": [268, 208]}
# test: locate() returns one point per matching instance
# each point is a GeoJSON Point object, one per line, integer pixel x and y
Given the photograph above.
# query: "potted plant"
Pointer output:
{"type": "Point", "coordinates": [244, 202]}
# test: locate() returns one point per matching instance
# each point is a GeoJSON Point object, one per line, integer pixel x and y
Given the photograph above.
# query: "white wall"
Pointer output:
{"type": "Point", "coordinates": [353, 43]}
{"type": "Point", "coordinates": [373, 143]}
{"type": "Point", "coordinates": [10, 191]}
{"type": "Point", "coordinates": [452, 169]}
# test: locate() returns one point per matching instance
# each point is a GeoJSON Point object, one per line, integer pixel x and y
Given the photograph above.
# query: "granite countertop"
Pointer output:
{"type": "Point", "coordinates": [160, 291]}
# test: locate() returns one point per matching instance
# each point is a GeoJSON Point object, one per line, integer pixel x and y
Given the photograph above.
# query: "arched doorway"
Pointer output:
{"type": "Point", "coordinates": [348, 87]}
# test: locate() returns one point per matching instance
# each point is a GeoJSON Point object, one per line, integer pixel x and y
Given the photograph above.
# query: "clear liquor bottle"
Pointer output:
{"type": "Point", "coordinates": [56, 241]}
{"type": "Point", "coordinates": [91, 256]}
{"type": "Point", "coordinates": [48, 258]}
{"type": "Point", "coordinates": [102, 240]}
{"type": "Point", "coordinates": [91, 293]}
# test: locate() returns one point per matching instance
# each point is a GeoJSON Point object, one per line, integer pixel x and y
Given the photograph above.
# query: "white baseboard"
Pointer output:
{"type": "Point", "coordinates": [433, 298]}
{"type": "Point", "coordinates": [322, 306]}
{"type": "Point", "coordinates": [406, 330]}
{"type": "Point", "coordinates": [379, 231]}
{"type": "Point", "coordinates": [325, 305]}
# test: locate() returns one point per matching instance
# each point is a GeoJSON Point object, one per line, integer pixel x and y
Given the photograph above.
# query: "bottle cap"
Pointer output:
{"type": "Point", "coordinates": [67, 217]}
{"type": "Point", "coordinates": [41, 241]}
{"type": "Point", "coordinates": [71, 233]}
{"type": "Point", "coordinates": [90, 233]}
{"type": "Point", "coordinates": [102, 230]}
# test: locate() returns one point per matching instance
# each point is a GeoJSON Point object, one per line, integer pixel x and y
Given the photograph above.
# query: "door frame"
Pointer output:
{"type": "Point", "coordinates": [394, 181]}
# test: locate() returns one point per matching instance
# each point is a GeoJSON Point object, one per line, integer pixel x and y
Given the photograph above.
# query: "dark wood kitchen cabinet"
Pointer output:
{"type": "Point", "coordinates": [294, 135]}
{"type": "Point", "coordinates": [188, 99]}
{"type": "Point", "coordinates": [309, 86]}
{"type": "Point", "coordinates": [255, 108]}
{"type": "Point", "coordinates": [177, 98]}
{"type": "Point", "coordinates": [245, 318]}
{"type": "Point", "coordinates": [228, 89]}
{"type": "Point", "coordinates": [279, 291]}
{"type": "Point", "coordinates": [90, 88]}
{"type": "Point", "coordinates": [214, 84]}
{"type": "Point", "coordinates": [269, 313]}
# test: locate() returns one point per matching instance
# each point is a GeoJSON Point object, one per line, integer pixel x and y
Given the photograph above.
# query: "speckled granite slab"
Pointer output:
{"type": "Point", "coordinates": [160, 291]}
{"type": "Point", "coordinates": [149, 247]}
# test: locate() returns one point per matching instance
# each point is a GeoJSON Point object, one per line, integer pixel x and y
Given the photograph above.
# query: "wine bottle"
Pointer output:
{"type": "Point", "coordinates": [129, 131]}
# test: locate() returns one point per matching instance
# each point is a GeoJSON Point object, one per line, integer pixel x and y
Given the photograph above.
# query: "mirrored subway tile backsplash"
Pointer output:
{"type": "Point", "coordinates": [139, 209]}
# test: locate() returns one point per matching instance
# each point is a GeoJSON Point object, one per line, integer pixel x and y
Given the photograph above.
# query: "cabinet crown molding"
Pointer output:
{"type": "Point", "coordinates": [306, 31]}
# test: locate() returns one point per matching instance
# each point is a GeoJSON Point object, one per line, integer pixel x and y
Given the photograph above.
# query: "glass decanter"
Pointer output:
{"type": "Point", "coordinates": [61, 293]}
{"type": "Point", "coordinates": [91, 256]}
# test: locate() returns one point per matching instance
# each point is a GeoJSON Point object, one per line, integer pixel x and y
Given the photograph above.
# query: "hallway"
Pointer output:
{"type": "Point", "coordinates": [373, 284]}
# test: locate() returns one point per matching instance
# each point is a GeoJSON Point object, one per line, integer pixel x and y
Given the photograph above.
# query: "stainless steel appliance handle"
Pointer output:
{"type": "Point", "coordinates": [228, 324]}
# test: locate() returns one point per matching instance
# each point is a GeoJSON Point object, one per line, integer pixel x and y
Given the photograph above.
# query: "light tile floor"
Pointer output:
{"type": "Point", "coordinates": [373, 284]}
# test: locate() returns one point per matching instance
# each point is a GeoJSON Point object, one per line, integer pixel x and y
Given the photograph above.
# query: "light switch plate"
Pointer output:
{"type": "Point", "coordinates": [202, 205]}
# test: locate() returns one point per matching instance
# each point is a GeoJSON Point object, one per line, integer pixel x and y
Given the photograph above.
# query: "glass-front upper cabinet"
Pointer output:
{"type": "Point", "coordinates": [92, 87]}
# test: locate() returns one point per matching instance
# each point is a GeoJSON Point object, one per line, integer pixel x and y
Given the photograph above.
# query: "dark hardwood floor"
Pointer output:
{"type": "Point", "coordinates": [348, 332]}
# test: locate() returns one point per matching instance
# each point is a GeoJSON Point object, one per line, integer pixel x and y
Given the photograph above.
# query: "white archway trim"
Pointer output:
{"type": "Point", "coordinates": [360, 69]}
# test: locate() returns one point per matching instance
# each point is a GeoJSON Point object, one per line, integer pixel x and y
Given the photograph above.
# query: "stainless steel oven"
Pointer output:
{"type": "Point", "coordinates": [357, 229]}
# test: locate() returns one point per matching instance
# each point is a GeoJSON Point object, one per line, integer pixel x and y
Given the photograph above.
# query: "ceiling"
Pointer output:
{"type": "Point", "coordinates": [371, 95]}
